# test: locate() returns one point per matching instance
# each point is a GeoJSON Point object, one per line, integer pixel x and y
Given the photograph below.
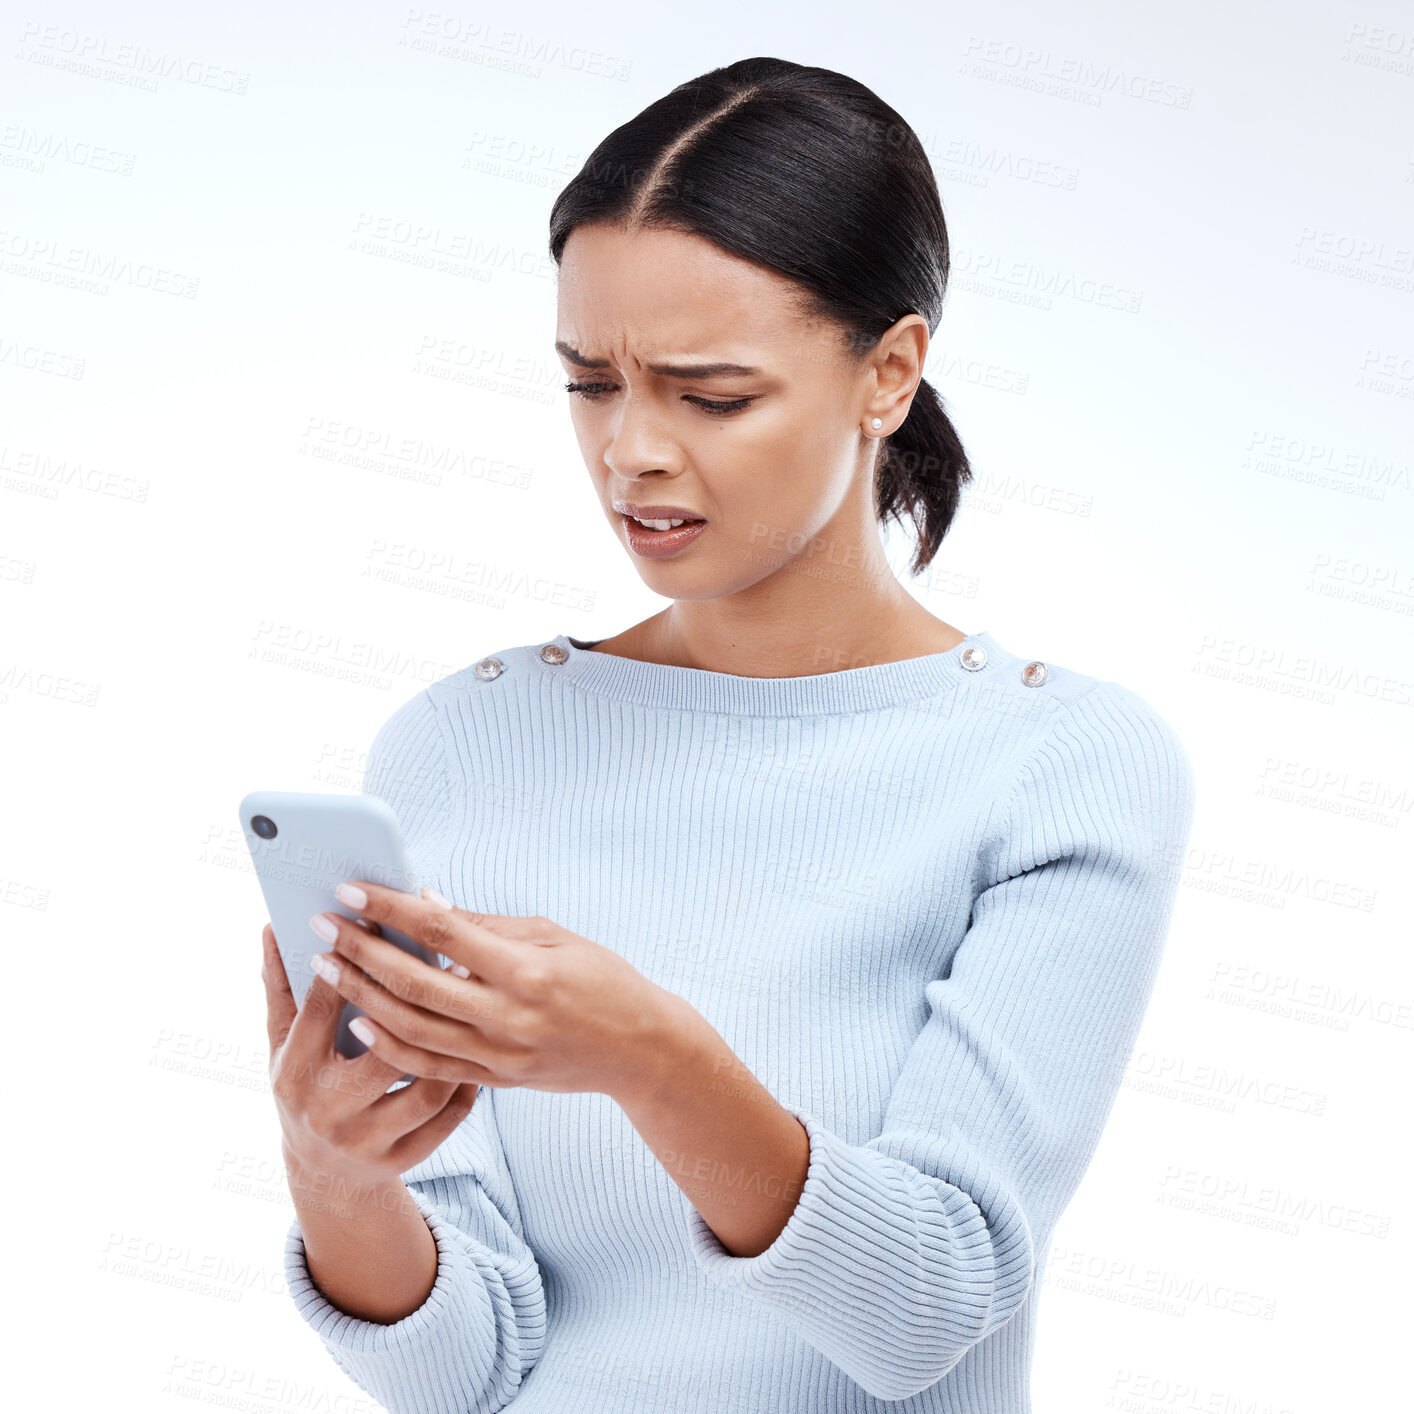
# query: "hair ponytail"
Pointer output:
{"type": "Point", "coordinates": [808, 173]}
{"type": "Point", "coordinates": [921, 472]}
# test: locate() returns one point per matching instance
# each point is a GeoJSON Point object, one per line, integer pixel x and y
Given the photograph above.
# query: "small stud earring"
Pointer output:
{"type": "Point", "coordinates": [878, 422]}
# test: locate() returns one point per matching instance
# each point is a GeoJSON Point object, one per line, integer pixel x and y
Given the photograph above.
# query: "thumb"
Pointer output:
{"type": "Point", "coordinates": [280, 1005]}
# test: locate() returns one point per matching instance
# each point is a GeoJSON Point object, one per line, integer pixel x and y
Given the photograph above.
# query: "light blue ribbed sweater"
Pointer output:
{"type": "Point", "coordinates": [924, 902]}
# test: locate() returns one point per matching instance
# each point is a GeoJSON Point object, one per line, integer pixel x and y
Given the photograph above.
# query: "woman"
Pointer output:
{"type": "Point", "coordinates": [800, 938]}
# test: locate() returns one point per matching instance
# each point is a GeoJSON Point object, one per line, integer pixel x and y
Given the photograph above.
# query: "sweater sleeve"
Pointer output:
{"type": "Point", "coordinates": [906, 1250]}
{"type": "Point", "coordinates": [482, 1328]}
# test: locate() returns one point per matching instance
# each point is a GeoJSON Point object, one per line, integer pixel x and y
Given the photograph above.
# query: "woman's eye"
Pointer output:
{"type": "Point", "coordinates": [712, 407]}
{"type": "Point", "coordinates": [718, 409]}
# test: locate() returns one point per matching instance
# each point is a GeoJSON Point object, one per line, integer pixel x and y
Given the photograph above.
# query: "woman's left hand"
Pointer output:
{"type": "Point", "coordinates": [541, 1007]}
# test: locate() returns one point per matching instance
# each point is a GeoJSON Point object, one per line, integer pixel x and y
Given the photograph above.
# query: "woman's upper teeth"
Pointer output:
{"type": "Point", "coordinates": [659, 524]}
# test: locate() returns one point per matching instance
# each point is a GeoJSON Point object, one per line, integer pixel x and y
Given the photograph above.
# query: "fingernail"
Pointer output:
{"type": "Point", "coordinates": [325, 927]}
{"type": "Point", "coordinates": [326, 967]}
{"type": "Point", "coordinates": [434, 897]}
{"type": "Point", "coordinates": [457, 970]}
{"type": "Point", "coordinates": [362, 1030]}
{"type": "Point", "coordinates": [351, 895]}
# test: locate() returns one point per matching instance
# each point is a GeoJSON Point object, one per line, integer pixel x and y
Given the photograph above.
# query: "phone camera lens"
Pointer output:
{"type": "Point", "coordinates": [263, 826]}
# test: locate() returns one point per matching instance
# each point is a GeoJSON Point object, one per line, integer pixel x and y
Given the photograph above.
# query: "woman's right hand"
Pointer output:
{"type": "Point", "coordinates": [338, 1120]}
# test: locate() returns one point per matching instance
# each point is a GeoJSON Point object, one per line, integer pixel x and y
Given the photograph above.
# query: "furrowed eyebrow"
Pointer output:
{"type": "Point", "coordinates": [666, 370]}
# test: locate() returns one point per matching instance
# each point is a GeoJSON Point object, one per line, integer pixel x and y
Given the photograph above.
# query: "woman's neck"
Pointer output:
{"type": "Point", "coordinates": [684, 636]}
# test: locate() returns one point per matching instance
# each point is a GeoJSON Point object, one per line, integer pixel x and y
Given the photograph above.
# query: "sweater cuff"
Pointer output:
{"type": "Point", "coordinates": [888, 1265]}
{"type": "Point", "coordinates": [419, 1331]}
{"type": "Point", "coordinates": [792, 1242]}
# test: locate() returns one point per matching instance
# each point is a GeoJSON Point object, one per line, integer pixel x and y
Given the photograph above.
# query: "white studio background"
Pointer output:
{"type": "Point", "coordinates": [282, 439]}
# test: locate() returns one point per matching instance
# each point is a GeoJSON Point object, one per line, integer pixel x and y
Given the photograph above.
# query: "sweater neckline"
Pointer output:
{"type": "Point", "coordinates": [703, 689]}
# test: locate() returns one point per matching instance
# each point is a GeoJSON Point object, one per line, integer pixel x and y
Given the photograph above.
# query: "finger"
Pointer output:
{"type": "Point", "coordinates": [272, 965]}
{"type": "Point", "coordinates": [426, 989]}
{"type": "Point", "coordinates": [508, 925]}
{"type": "Point", "coordinates": [435, 1013]}
{"type": "Point", "coordinates": [280, 1005]}
{"type": "Point", "coordinates": [370, 1118]}
{"type": "Point", "coordinates": [410, 1123]}
{"type": "Point", "coordinates": [473, 1059]}
{"type": "Point", "coordinates": [487, 952]}
{"type": "Point", "coordinates": [429, 1136]}
{"type": "Point", "coordinates": [310, 1060]}
{"type": "Point", "coordinates": [366, 1081]}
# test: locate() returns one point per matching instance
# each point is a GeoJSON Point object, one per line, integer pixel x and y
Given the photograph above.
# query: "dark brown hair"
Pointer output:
{"type": "Point", "coordinates": [810, 174]}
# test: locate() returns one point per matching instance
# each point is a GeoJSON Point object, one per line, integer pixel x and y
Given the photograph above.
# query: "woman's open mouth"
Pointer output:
{"type": "Point", "coordinates": [652, 538]}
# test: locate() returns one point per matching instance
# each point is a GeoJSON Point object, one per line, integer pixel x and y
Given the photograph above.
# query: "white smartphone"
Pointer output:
{"type": "Point", "coordinates": [304, 844]}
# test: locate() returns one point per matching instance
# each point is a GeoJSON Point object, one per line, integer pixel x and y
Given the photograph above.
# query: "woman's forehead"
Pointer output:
{"type": "Point", "coordinates": [633, 295]}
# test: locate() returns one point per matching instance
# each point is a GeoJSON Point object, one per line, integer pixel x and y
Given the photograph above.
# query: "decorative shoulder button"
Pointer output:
{"type": "Point", "coordinates": [489, 668]}
{"type": "Point", "coordinates": [1033, 674]}
{"type": "Point", "coordinates": [974, 656]}
{"type": "Point", "coordinates": [553, 653]}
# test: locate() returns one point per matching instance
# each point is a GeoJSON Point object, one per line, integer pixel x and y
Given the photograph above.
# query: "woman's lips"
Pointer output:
{"type": "Point", "coordinates": [652, 544]}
